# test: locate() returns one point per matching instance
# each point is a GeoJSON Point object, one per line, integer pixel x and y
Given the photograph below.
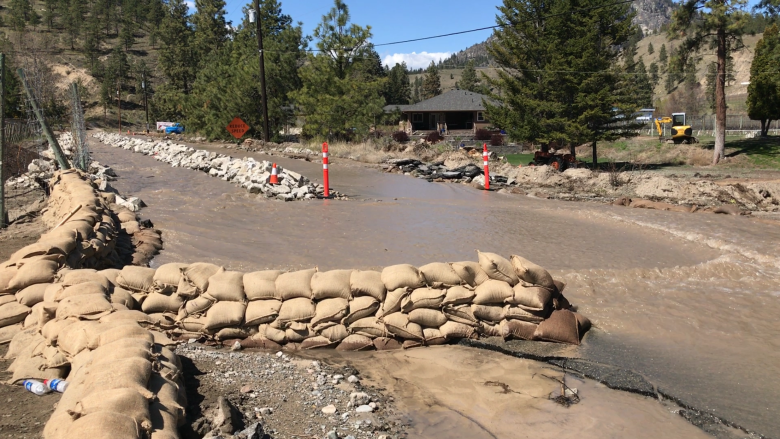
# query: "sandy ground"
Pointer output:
{"type": "Point", "coordinates": [24, 414]}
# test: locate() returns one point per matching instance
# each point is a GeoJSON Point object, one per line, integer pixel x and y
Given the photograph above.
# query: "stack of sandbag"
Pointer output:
{"type": "Point", "coordinates": [401, 306]}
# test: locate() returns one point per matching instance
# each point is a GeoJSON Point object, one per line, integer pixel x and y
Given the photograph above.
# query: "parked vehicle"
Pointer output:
{"type": "Point", "coordinates": [177, 128]}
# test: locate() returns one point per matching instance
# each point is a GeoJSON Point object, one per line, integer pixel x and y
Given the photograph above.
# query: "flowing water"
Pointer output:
{"type": "Point", "coordinates": [688, 301]}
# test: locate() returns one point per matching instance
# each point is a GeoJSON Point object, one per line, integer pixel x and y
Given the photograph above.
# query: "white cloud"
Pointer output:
{"type": "Point", "coordinates": [415, 60]}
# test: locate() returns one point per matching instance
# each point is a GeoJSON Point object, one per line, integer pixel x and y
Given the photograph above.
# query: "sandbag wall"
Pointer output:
{"type": "Point", "coordinates": [356, 310]}
{"type": "Point", "coordinates": [98, 235]}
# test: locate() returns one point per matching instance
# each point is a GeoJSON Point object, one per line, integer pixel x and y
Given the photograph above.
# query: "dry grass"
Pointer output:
{"type": "Point", "coordinates": [366, 152]}
{"type": "Point", "coordinates": [651, 151]}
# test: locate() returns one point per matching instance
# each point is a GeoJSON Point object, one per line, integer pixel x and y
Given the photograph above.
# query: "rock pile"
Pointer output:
{"type": "Point", "coordinates": [248, 173]}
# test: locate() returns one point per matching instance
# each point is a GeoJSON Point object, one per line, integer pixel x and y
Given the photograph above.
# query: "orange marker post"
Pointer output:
{"type": "Point", "coordinates": [485, 162]}
{"type": "Point", "coordinates": [326, 194]}
{"type": "Point", "coordinates": [274, 175]}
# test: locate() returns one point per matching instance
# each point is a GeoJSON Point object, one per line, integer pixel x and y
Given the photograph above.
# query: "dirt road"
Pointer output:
{"type": "Point", "coordinates": [690, 302]}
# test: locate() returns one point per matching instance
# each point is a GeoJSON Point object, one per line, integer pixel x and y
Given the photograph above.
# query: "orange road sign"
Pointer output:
{"type": "Point", "coordinates": [237, 128]}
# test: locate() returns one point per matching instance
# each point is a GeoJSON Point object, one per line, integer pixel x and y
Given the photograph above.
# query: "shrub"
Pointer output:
{"type": "Point", "coordinates": [482, 134]}
{"type": "Point", "coordinates": [496, 140]}
{"type": "Point", "coordinates": [400, 136]}
{"type": "Point", "coordinates": [434, 137]}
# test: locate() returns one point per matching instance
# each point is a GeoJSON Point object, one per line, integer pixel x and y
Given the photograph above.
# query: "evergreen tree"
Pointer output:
{"type": "Point", "coordinates": [663, 57]}
{"type": "Point", "coordinates": [50, 12]}
{"type": "Point", "coordinates": [650, 48]}
{"type": "Point", "coordinates": [74, 20]}
{"type": "Point", "coordinates": [561, 79]}
{"type": "Point", "coordinates": [469, 81]}
{"type": "Point", "coordinates": [644, 87]}
{"type": "Point", "coordinates": [431, 86]}
{"type": "Point", "coordinates": [154, 17]}
{"type": "Point", "coordinates": [399, 90]}
{"type": "Point", "coordinates": [127, 34]}
{"type": "Point", "coordinates": [338, 97]}
{"type": "Point", "coordinates": [654, 77]}
{"type": "Point", "coordinates": [717, 24]}
{"type": "Point", "coordinates": [763, 99]}
{"type": "Point", "coordinates": [19, 12]}
{"type": "Point", "coordinates": [176, 57]}
{"type": "Point", "coordinates": [210, 32]}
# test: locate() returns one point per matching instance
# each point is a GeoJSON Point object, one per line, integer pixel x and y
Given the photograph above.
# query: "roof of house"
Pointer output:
{"type": "Point", "coordinates": [392, 107]}
{"type": "Point", "coordinates": [455, 100]}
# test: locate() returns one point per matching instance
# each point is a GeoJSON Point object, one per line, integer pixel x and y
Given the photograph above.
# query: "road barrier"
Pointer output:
{"type": "Point", "coordinates": [485, 162]}
{"type": "Point", "coordinates": [326, 194]}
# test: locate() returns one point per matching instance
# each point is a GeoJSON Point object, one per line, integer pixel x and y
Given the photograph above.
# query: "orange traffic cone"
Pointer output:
{"type": "Point", "coordinates": [274, 175]}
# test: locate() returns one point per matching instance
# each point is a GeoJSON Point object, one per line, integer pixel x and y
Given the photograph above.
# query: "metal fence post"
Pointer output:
{"type": "Point", "coordinates": [58, 154]}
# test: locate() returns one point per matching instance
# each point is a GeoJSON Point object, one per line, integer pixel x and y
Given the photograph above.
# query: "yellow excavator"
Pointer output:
{"type": "Point", "coordinates": [681, 133]}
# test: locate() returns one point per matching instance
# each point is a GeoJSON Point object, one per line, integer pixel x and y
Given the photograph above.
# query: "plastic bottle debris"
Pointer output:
{"type": "Point", "coordinates": [36, 387]}
{"type": "Point", "coordinates": [56, 385]}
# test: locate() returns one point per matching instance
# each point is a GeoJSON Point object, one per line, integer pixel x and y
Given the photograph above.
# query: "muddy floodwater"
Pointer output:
{"type": "Point", "coordinates": [690, 302]}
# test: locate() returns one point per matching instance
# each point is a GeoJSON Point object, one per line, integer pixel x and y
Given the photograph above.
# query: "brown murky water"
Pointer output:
{"type": "Point", "coordinates": [689, 301]}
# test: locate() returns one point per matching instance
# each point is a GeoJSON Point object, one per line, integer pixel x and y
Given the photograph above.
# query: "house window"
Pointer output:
{"type": "Point", "coordinates": [480, 116]}
{"type": "Point", "coordinates": [417, 117]}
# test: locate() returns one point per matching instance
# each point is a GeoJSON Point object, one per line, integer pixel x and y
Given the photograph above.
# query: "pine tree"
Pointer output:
{"type": "Point", "coordinates": [154, 17]}
{"type": "Point", "coordinates": [19, 14]}
{"type": "Point", "coordinates": [339, 97]}
{"type": "Point", "coordinates": [663, 57]}
{"type": "Point", "coordinates": [176, 57]}
{"type": "Point", "coordinates": [763, 99]}
{"type": "Point", "coordinates": [644, 87]}
{"type": "Point", "coordinates": [650, 49]}
{"type": "Point", "coordinates": [50, 12]}
{"type": "Point", "coordinates": [431, 86]}
{"type": "Point", "coordinates": [707, 24]}
{"type": "Point", "coordinates": [127, 34]}
{"type": "Point", "coordinates": [399, 90]}
{"type": "Point", "coordinates": [538, 42]}
{"type": "Point", "coordinates": [74, 19]}
{"type": "Point", "coordinates": [468, 80]}
{"type": "Point", "coordinates": [209, 25]}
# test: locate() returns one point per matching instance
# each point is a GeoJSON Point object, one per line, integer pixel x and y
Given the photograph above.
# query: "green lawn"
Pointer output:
{"type": "Point", "coordinates": [519, 159]}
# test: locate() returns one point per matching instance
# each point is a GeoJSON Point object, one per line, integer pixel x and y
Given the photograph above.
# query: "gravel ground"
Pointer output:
{"type": "Point", "coordinates": [290, 397]}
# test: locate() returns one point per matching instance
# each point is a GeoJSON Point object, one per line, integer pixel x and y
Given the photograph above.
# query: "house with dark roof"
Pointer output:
{"type": "Point", "coordinates": [454, 110]}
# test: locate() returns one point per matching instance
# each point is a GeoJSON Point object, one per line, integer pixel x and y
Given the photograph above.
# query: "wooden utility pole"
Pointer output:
{"type": "Point", "coordinates": [3, 219]}
{"type": "Point", "coordinates": [62, 161]}
{"type": "Point", "coordinates": [263, 97]}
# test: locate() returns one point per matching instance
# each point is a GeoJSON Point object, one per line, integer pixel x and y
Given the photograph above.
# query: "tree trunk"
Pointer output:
{"type": "Point", "coordinates": [573, 150]}
{"type": "Point", "coordinates": [720, 99]}
{"type": "Point", "coordinates": [595, 157]}
{"type": "Point", "coordinates": [764, 127]}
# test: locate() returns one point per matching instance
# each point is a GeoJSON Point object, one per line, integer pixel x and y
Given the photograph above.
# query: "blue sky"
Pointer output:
{"type": "Point", "coordinates": [396, 20]}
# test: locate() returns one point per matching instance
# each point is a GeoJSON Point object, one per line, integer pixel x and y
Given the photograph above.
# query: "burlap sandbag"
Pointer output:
{"type": "Point", "coordinates": [493, 292]}
{"type": "Point", "coordinates": [223, 314]}
{"type": "Point", "coordinates": [104, 425]}
{"type": "Point", "coordinates": [532, 273]}
{"type": "Point", "coordinates": [392, 302]}
{"type": "Point", "coordinates": [488, 313]}
{"type": "Point", "coordinates": [128, 373]}
{"type": "Point", "coordinates": [31, 273]}
{"type": "Point", "coordinates": [433, 337]}
{"type": "Point", "coordinates": [367, 283]}
{"type": "Point", "coordinates": [197, 276]}
{"type": "Point", "coordinates": [334, 333]}
{"type": "Point", "coordinates": [361, 307]}
{"type": "Point", "coordinates": [139, 317]}
{"type": "Point", "coordinates": [296, 310]}
{"type": "Point", "coordinates": [9, 298]}
{"type": "Point", "coordinates": [440, 274]}
{"type": "Point", "coordinates": [331, 284]}
{"type": "Point", "coordinates": [455, 331]}
{"type": "Point", "coordinates": [168, 393]}
{"type": "Point", "coordinates": [399, 325]}
{"type": "Point", "coordinates": [298, 332]}
{"type": "Point", "coordinates": [121, 295]}
{"type": "Point", "coordinates": [386, 344]}
{"type": "Point", "coordinates": [409, 344]}
{"type": "Point", "coordinates": [563, 326]}
{"type": "Point", "coordinates": [235, 333]}
{"type": "Point", "coordinates": [402, 276]}
{"type": "Point", "coordinates": [52, 329]}
{"type": "Point", "coordinates": [6, 274]}
{"type": "Point", "coordinates": [423, 298]}
{"type": "Point", "coordinates": [44, 312]}
{"type": "Point", "coordinates": [164, 421]}
{"type": "Point", "coordinates": [163, 320]}
{"type": "Point", "coordinates": [261, 285]}
{"type": "Point", "coordinates": [52, 292]}
{"type": "Point", "coordinates": [161, 303]}
{"type": "Point", "coordinates": [295, 284]}
{"type": "Point", "coordinates": [531, 297]}
{"type": "Point", "coordinates": [471, 273]}
{"type": "Point", "coordinates": [275, 335]}
{"type": "Point", "coordinates": [330, 310]}
{"type": "Point", "coordinates": [111, 274]}
{"type": "Point", "coordinates": [195, 307]}
{"type": "Point", "coordinates": [259, 312]}
{"type": "Point", "coordinates": [193, 324]}
{"type": "Point", "coordinates": [74, 338]}
{"type": "Point", "coordinates": [458, 296]}
{"type": "Point", "coordinates": [167, 277]}
{"type": "Point", "coordinates": [369, 327]}
{"type": "Point", "coordinates": [82, 289]}
{"type": "Point", "coordinates": [34, 368]}
{"type": "Point", "coordinates": [121, 333]}
{"type": "Point", "coordinates": [7, 333]}
{"type": "Point", "coordinates": [136, 279]}
{"type": "Point", "coordinates": [54, 358]}
{"type": "Point", "coordinates": [91, 306]}
{"type": "Point", "coordinates": [75, 277]}
{"type": "Point", "coordinates": [318, 342]}
{"type": "Point", "coordinates": [497, 267]}
{"type": "Point", "coordinates": [226, 286]}
{"type": "Point", "coordinates": [518, 329]}
{"type": "Point", "coordinates": [519, 313]}
{"type": "Point", "coordinates": [125, 401]}
{"type": "Point", "coordinates": [23, 341]}
{"type": "Point", "coordinates": [355, 342]}
{"type": "Point", "coordinates": [31, 295]}
{"type": "Point", "coordinates": [427, 318]}
{"type": "Point", "coordinates": [13, 312]}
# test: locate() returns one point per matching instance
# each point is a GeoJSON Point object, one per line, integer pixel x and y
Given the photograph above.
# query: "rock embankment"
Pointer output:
{"type": "Point", "coordinates": [248, 173]}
